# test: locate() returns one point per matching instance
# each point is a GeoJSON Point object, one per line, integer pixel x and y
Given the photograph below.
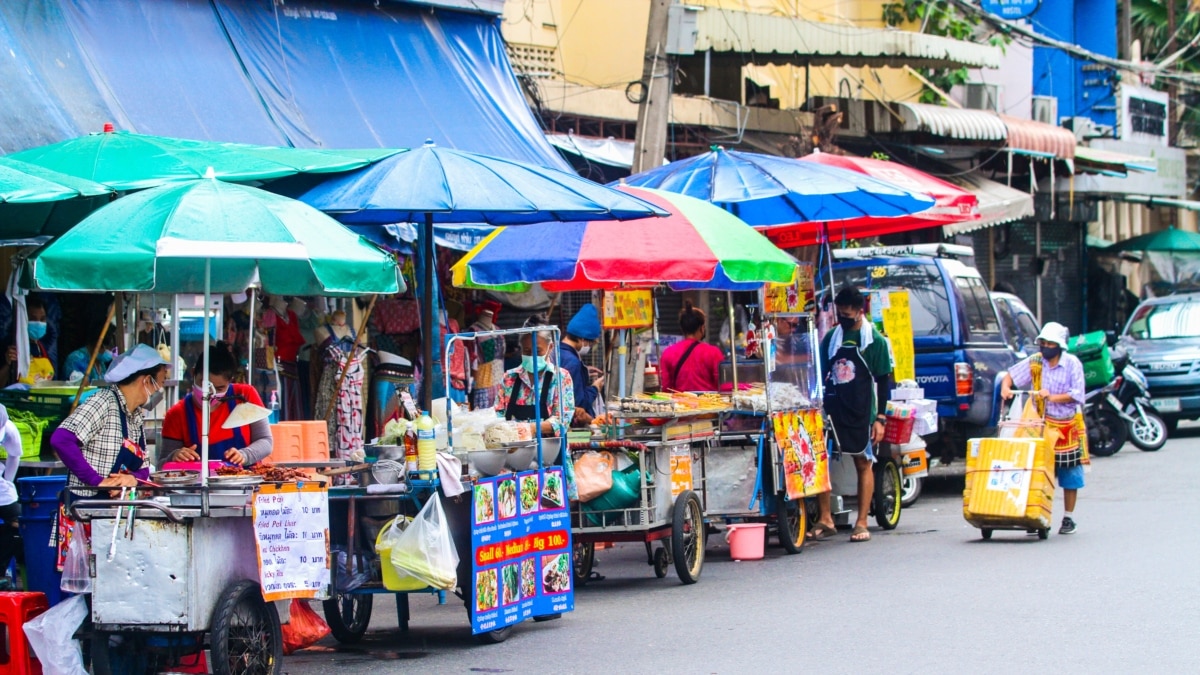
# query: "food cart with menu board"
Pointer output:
{"type": "Point", "coordinates": [505, 510]}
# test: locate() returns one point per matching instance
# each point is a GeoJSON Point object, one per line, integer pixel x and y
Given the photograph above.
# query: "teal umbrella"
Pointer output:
{"type": "Point", "coordinates": [1169, 239]}
{"type": "Point", "coordinates": [210, 235]}
{"type": "Point", "coordinates": [128, 161]}
{"type": "Point", "coordinates": [37, 203]}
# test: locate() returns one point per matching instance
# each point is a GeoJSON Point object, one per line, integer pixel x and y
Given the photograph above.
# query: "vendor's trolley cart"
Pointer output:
{"type": "Point", "coordinates": [668, 508]}
{"type": "Point", "coordinates": [177, 581]}
{"type": "Point", "coordinates": [770, 454]}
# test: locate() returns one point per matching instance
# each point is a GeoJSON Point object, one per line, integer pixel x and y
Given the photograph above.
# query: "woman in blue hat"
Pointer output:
{"type": "Point", "coordinates": [103, 443]}
{"type": "Point", "coordinates": [582, 332]}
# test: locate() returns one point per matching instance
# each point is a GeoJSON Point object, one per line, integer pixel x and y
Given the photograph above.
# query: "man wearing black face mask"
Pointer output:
{"type": "Point", "coordinates": [856, 361]}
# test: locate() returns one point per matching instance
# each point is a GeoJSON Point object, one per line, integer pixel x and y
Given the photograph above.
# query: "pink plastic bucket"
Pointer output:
{"type": "Point", "coordinates": [747, 541]}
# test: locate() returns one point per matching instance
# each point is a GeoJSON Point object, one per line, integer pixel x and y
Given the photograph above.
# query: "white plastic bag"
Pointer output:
{"type": "Point", "coordinates": [425, 550]}
{"type": "Point", "coordinates": [52, 637]}
{"type": "Point", "coordinates": [76, 577]}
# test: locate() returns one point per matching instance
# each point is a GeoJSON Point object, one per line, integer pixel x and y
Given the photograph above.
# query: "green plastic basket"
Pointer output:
{"type": "Point", "coordinates": [31, 429]}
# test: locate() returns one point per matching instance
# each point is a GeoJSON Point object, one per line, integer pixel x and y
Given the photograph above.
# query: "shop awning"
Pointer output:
{"type": "Point", "coordinates": [323, 73]}
{"type": "Point", "coordinates": [954, 123]}
{"type": "Point", "coordinates": [1095, 160]}
{"type": "Point", "coordinates": [1039, 139]}
{"type": "Point", "coordinates": [610, 151]}
{"type": "Point", "coordinates": [1187, 204]}
{"type": "Point", "coordinates": [783, 39]}
{"type": "Point", "coordinates": [998, 203]}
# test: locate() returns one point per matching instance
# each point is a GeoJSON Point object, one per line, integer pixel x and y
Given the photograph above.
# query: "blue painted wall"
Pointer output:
{"type": "Point", "coordinates": [1082, 89]}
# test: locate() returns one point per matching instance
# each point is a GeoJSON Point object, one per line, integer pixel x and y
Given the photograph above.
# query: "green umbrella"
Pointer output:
{"type": "Point", "coordinates": [1169, 239]}
{"type": "Point", "coordinates": [130, 161]}
{"type": "Point", "coordinates": [171, 238]}
{"type": "Point", "coordinates": [37, 203]}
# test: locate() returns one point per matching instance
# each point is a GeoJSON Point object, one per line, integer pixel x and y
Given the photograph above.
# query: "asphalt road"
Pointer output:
{"type": "Point", "coordinates": [928, 597]}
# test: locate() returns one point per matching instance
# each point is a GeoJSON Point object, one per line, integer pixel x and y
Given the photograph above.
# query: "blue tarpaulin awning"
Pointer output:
{"type": "Point", "coordinates": [325, 73]}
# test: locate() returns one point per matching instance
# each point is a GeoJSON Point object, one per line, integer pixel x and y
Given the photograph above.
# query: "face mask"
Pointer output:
{"type": "Point", "coordinates": [153, 397]}
{"type": "Point", "coordinates": [37, 330]}
{"type": "Point", "coordinates": [527, 363]}
{"type": "Point", "coordinates": [846, 322]}
{"type": "Point", "coordinates": [217, 399]}
{"type": "Point", "coordinates": [585, 350]}
{"type": "Point", "coordinates": [1050, 353]}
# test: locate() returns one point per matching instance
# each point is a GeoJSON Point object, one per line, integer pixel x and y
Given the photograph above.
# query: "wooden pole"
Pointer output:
{"type": "Point", "coordinates": [362, 326]}
{"type": "Point", "coordinates": [112, 309]}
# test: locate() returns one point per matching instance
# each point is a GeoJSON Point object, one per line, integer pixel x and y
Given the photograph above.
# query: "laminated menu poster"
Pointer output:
{"type": "Point", "coordinates": [520, 549]}
{"type": "Point", "coordinates": [800, 439]}
{"type": "Point", "coordinates": [291, 529]}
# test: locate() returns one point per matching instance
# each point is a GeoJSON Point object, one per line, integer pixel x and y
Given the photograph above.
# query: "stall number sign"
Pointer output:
{"type": "Point", "coordinates": [681, 470]}
{"type": "Point", "coordinates": [790, 298]}
{"type": "Point", "coordinates": [628, 309]}
{"type": "Point", "coordinates": [521, 558]}
{"type": "Point", "coordinates": [291, 528]}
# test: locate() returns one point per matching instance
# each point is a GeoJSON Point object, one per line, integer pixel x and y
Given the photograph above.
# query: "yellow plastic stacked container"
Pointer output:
{"type": "Point", "coordinates": [1010, 483]}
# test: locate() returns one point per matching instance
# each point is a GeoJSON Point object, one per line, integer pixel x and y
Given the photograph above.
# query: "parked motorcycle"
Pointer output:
{"type": "Point", "coordinates": [1131, 400]}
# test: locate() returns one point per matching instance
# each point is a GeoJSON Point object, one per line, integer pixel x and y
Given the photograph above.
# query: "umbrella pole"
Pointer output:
{"type": "Point", "coordinates": [95, 352]}
{"type": "Point", "coordinates": [250, 343]}
{"type": "Point", "coordinates": [205, 408]}
{"type": "Point", "coordinates": [622, 355]}
{"type": "Point", "coordinates": [427, 326]}
{"type": "Point", "coordinates": [732, 338]}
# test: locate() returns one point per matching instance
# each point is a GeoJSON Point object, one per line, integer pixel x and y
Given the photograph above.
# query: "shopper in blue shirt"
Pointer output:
{"type": "Point", "coordinates": [582, 333]}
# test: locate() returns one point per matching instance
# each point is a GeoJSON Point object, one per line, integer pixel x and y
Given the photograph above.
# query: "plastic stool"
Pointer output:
{"type": "Point", "coordinates": [16, 656]}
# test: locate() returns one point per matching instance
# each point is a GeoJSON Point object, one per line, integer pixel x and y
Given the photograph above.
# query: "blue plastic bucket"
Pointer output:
{"type": "Point", "coordinates": [39, 505]}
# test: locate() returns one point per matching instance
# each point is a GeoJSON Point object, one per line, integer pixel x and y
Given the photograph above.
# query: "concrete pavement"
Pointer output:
{"type": "Point", "coordinates": [928, 597]}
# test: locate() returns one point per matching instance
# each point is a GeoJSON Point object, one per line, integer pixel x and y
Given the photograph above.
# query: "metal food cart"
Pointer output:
{"type": "Point", "coordinates": [175, 580]}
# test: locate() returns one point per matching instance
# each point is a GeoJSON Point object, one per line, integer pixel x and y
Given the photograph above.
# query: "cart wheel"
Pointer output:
{"type": "Point", "coordinates": [887, 495]}
{"type": "Point", "coordinates": [791, 516]}
{"type": "Point", "coordinates": [348, 615]}
{"type": "Point", "coordinates": [245, 635]}
{"type": "Point", "coordinates": [585, 555]}
{"type": "Point", "coordinates": [687, 537]}
{"type": "Point", "coordinates": [494, 637]}
{"type": "Point", "coordinates": [1044, 534]}
{"type": "Point", "coordinates": [986, 533]}
{"type": "Point", "coordinates": [661, 563]}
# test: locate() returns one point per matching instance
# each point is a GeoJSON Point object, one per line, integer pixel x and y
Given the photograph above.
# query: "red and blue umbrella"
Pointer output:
{"type": "Point", "coordinates": [698, 245]}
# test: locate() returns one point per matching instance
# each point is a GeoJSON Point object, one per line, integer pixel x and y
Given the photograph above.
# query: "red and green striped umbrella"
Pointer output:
{"type": "Point", "coordinates": [697, 246]}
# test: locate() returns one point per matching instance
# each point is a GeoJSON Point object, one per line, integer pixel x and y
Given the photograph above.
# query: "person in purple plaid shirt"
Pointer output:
{"type": "Point", "coordinates": [1062, 392]}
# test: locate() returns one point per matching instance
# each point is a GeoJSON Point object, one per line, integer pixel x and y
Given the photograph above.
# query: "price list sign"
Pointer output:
{"type": "Point", "coordinates": [520, 549]}
{"type": "Point", "coordinates": [291, 529]}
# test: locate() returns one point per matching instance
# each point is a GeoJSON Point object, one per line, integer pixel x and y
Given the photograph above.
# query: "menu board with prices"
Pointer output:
{"type": "Point", "coordinates": [291, 529]}
{"type": "Point", "coordinates": [628, 309]}
{"type": "Point", "coordinates": [520, 549]}
{"type": "Point", "coordinates": [795, 297]}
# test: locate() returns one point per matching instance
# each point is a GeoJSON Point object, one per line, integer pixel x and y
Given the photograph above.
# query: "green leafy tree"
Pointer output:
{"type": "Point", "coordinates": [939, 17]}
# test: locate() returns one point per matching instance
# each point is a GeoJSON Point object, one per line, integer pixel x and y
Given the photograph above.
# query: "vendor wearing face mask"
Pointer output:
{"type": "Point", "coordinates": [103, 443]}
{"type": "Point", "coordinates": [40, 338]}
{"type": "Point", "coordinates": [243, 445]}
{"type": "Point", "coordinates": [524, 394]}
{"type": "Point", "coordinates": [582, 333]}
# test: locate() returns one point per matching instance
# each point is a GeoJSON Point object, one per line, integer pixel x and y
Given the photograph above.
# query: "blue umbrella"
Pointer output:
{"type": "Point", "coordinates": [764, 190]}
{"type": "Point", "coordinates": [440, 185]}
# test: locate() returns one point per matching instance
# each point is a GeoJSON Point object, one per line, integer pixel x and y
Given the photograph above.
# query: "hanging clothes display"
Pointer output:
{"type": "Point", "coordinates": [487, 359]}
{"type": "Point", "coordinates": [345, 420]}
{"type": "Point", "coordinates": [287, 339]}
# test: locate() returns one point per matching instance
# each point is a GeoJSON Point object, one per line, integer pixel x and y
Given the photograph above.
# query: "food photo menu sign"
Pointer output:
{"type": "Point", "coordinates": [520, 549]}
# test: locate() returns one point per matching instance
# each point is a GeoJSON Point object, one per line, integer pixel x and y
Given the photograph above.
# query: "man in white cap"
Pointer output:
{"type": "Point", "coordinates": [1056, 379]}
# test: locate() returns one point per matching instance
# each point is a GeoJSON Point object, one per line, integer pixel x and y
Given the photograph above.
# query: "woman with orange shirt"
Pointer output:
{"type": "Point", "coordinates": [245, 445]}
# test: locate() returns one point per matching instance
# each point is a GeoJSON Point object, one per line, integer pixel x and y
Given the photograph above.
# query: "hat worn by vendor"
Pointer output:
{"type": "Point", "coordinates": [1055, 332]}
{"type": "Point", "coordinates": [585, 324]}
{"type": "Point", "coordinates": [141, 357]}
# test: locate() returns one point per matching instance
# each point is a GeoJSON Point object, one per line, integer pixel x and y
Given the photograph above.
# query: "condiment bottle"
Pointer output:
{"type": "Point", "coordinates": [426, 444]}
{"type": "Point", "coordinates": [410, 448]}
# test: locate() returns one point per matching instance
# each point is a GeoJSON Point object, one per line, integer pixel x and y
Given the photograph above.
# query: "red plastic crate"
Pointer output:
{"type": "Point", "coordinates": [898, 430]}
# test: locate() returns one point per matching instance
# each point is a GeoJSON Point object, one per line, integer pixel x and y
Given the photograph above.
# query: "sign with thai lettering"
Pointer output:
{"type": "Point", "coordinates": [291, 528]}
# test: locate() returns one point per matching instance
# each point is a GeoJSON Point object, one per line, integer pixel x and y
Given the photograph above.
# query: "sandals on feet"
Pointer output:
{"type": "Point", "coordinates": [860, 534]}
{"type": "Point", "coordinates": [821, 531]}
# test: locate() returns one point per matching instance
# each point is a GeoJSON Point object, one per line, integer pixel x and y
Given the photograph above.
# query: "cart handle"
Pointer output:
{"type": "Point", "coordinates": [119, 503]}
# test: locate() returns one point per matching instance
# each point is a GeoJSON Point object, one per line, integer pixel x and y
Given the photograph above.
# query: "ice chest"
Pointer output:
{"type": "Point", "coordinates": [1092, 350]}
{"type": "Point", "coordinates": [1010, 483]}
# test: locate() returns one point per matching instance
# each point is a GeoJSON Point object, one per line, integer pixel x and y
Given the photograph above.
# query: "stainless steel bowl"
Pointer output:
{"type": "Point", "coordinates": [487, 462]}
{"type": "Point", "coordinates": [175, 478]}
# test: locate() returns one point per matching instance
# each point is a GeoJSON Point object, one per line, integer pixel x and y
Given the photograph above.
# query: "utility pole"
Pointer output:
{"type": "Point", "coordinates": [1172, 89]}
{"type": "Point", "coordinates": [1125, 30]}
{"type": "Point", "coordinates": [658, 77]}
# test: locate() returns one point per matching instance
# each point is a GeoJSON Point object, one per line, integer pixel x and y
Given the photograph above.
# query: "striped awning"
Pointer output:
{"type": "Point", "coordinates": [1030, 137]}
{"type": "Point", "coordinates": [1021, 136]}
{"type": "Point", "coordinates": [998, 203]}
{"type": "Point", "coordinates": [1107, 162]}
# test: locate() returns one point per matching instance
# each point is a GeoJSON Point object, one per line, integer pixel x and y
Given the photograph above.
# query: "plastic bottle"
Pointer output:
{"type": "Point", "coordinates": [274, 405]}
{"type": "Point", "coordinates": [410, 448]}
{"type": "Point", "coordinates": [426, 444]}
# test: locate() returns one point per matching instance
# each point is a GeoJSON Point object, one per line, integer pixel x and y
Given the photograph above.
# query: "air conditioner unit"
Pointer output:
{"type": "Point", "coordinates": [1045, 109]}
{"type": "Point", "coordinates": [982, 96]}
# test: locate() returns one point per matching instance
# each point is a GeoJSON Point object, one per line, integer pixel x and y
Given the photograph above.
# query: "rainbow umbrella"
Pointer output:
{"type": "Point", "coordinates": [698, 245]}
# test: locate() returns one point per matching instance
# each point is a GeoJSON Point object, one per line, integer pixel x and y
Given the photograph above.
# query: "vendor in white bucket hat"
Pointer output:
{"type": "Point", "coordinates": [1056, 379]}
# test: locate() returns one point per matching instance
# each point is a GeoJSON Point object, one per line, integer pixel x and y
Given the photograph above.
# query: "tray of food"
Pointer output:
{"type": "Point", "coordinates": [175, 478]}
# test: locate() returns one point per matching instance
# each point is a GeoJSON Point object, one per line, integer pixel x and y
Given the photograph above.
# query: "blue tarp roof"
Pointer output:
{"type": "Point", "coordinates": [324, 73]}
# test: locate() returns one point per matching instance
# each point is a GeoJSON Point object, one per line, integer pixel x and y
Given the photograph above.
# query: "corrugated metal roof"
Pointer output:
{"type": "Point", "coordinates": [956, 123]}
{"type": "Point", "coordinates": [1039, 138]}
{"type": "Point", "coordinates": [998, 203]}
{"type": "Point", "coordinates": [794, 40]}
{"type": "Point", "coordinates": [1087, 157]}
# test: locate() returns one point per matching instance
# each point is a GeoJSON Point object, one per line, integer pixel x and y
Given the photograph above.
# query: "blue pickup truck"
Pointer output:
{"type": "Point", "coordinates": [959, 342]}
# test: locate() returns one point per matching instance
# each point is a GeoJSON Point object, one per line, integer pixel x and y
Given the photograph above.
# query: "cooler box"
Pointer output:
{"type": "Point", "coordinates": [1092, 350]}
{"type": "Point", "coordinates": [38, 496]}
{"type": "Point", "coordinates": [1010, 483]}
